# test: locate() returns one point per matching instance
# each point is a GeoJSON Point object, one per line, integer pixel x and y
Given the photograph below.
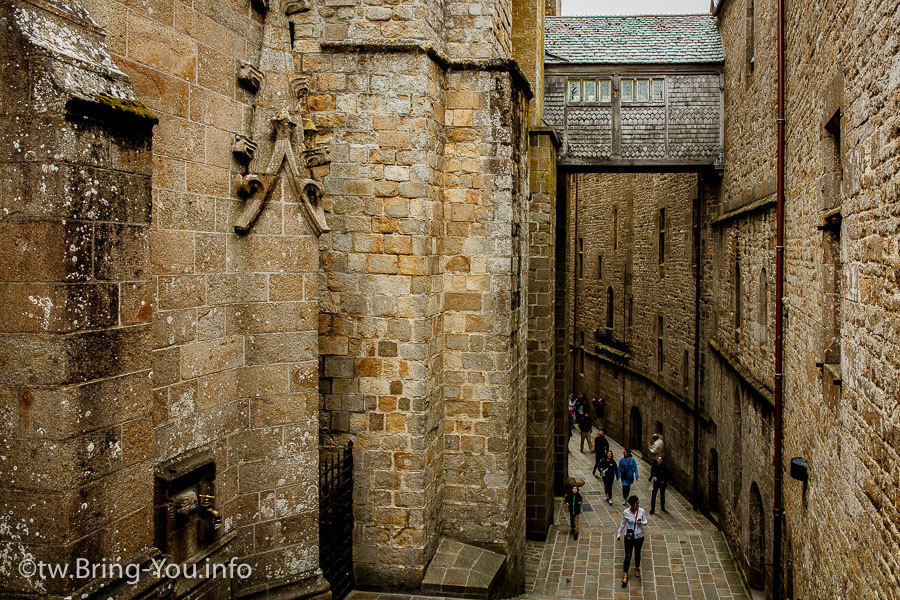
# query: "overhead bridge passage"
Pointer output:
{"type": "Point", "coordinates": [635, 93]}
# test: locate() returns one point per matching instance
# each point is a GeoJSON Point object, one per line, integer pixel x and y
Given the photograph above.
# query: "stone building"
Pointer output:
{"type": "Point", "coordinates": [637, 102]}
{"type": "Point", "coordinates": [236, 235]}
{"type": "Point", "coordinates": [842, 76]}
{"type": "Point", "coordinates": [841, 372]}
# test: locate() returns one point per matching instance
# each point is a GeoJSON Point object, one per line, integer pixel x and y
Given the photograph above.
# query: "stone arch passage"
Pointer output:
{"type": "Point", "coordinates": [756, 547]}
{"type": "Point", "coordinates": [635, 433]}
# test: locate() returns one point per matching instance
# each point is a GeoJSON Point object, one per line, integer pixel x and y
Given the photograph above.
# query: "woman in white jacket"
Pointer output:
{"type": "Point", "coordinates": [634, 519]}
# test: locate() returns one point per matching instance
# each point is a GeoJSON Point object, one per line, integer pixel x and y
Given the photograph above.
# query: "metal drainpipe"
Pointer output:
{"type": "Point", "coordinates": [778, 509]}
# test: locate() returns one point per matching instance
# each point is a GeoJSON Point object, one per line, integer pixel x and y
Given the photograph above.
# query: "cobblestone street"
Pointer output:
{"type": "Point", "coordinates": [684, 555]}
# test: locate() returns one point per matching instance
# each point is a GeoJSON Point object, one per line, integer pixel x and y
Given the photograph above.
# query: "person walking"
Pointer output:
{"type": "Point", "coordinates": [601, 447]}
{"type": "Point", "coordinates": [571, 414]}
{"type": "Point", "coordinates": [573, 509]}
{"type": "Point", "coordinates": [634, 519]}
{"type": "Point", "coordinates": [659, 479]}
{"type": "Point", "coordinates": [609, 471]}
{"type": "Point", "coordinates": [628, 473]}
{"type": "Point", "coordinates": [585, 427]}
{"type": "Point", "coordinates": [656, 447]}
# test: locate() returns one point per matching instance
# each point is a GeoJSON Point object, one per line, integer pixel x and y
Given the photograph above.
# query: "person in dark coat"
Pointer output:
{"type": "Point", "coordinates": [584, 427]}
{"type": "Point", "coordinates": [601, 446]}
{"type": "Point", "coordinates": [573, 509]}
{"type": "Point", "coordinates": [609, 471]}
{"type": "Point", "coordinates": [659, 477]}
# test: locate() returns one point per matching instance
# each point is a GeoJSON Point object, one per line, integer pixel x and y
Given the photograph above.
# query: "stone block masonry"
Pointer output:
{"type": "Point", "coordinates": [635, 238]}
{"type": "Point", "coordinates": [77, 300]}
{"type": "Point", "coordinates": [424, 356]}
{"type": "Point", "coordinates": [329, 239]}
{"type": "Point", "coordinates": [841, 367]}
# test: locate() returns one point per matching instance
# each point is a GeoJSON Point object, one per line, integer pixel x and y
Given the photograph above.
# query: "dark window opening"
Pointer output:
{"type": "Point", "coordinates": [659, 344]}
{"type": "Point", "coordinates": [609, 308]}
{"type": "Point", "coordinates": [579, 259]}
{"type": "Point", "coordinates": [662, 236]}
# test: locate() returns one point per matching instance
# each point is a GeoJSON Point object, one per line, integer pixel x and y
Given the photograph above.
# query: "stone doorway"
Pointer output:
{"type": "Point", "coordinates": [712, 501]}
{"type": "Point", "coordinates": [756, 548]}
{"type": "Point", "coordinates": [635, 432]}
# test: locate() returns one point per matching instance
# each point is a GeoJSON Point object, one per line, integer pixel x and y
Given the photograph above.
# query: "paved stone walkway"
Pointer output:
{"type": "Point", "coordinates": [684, 555]}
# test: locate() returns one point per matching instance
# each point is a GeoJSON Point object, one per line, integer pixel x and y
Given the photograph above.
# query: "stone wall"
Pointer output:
{"type": "Point", "coordinates": [339, 180]}
{"type": "Point", "coordinates": [229, 276]}
{"type": "Point", "coordinates": [618, 237]}
{"type": "Point", "coordinates": [77, 297]}
{"type": "Point", "coordinates": [541, 301]}
{"type": "Point", "coordinates": [841, 383]}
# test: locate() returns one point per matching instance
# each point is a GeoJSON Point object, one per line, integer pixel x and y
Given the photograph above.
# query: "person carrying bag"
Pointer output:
{"type": "Point", "coordinates": [634, 519]}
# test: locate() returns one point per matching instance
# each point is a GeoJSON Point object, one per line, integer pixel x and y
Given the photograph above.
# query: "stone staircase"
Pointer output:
{"type": "Point", "coordinates": [461, 571]}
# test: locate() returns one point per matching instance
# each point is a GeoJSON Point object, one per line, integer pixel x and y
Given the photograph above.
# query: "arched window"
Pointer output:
{"type": "Point", "coordinates": [756, 552]}
{"type": "Point", "coordinates": [610, 313]}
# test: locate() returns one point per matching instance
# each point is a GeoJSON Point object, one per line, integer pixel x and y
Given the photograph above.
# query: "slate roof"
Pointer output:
{"type": "Point", "coordinates": [650, 39]}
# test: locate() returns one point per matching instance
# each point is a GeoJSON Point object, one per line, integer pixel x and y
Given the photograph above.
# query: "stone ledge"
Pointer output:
{"type": "Point", "coordinates": [463, 571]}
{"type": "Point", "coordinates": [746, 376]}
{"type": "Point", "coordinates": [507, 65]}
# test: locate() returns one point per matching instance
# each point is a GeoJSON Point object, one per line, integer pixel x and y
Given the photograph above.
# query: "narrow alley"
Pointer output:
{"type": "Point", "coordinates": [684, 556]}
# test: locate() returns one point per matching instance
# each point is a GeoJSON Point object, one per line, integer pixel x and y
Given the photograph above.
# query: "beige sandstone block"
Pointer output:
{"type": "Point", "coordinates": [202, 358]}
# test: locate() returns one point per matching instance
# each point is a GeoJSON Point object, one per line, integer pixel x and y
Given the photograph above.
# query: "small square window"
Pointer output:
{"type": "Point", "coordinates": [643, 90]}
{"type": "Point", "coordinates": [590, 90]}
{"type": "Point", "coordinates": [605, 90]}
{"type": "Point", "coordinates": [627, 90]}
{"type": "Point", "coordinates": [575, 90]}
{"type": "Point", "coordinates": [659, 93]}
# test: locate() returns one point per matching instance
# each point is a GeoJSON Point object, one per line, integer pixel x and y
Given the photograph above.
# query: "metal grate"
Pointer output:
{"type": "Point", "coordinates": [336, 521]}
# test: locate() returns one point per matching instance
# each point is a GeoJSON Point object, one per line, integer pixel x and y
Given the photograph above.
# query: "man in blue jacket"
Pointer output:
{"type": "Point", "coordinates": [628, 473]}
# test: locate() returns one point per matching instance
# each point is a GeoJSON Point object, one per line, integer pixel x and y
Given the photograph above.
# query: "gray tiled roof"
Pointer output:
{"type": "Point", "coordinates": [651, 39]}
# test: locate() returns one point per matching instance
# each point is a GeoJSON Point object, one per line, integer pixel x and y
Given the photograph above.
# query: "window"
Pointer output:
{"type": "Point", "coordinates": [590, 90]}
{"type": "Point", "coordinates": [630, 312]}
{"type": "Point", "coordinates": [658, 93]}
{"type": "Point", "coordinates": [659, 344]}
{"type": "Point", "coordinates": [605, 90]}
{"type": "Point", "coordinates": [579, 259]}
{"type": "Point", "coordinates": [581, 353]}
{"type": "Point", "coordinates": [599, 266]}
{"type": "Point", "coordinates": [615, 227]}
{"type": "Point", "coordinates": [643, 90]}
{"type": "Point", "coordinates": [662, 236]}
{"type": "Point", "coordinates": [609, 308]}
{"type": "Point", "coordinates": [685, 370]}
{"type": "Point", "coordinates": [627, 90]}
{"type": "Point", "coordinates": [575, 90]}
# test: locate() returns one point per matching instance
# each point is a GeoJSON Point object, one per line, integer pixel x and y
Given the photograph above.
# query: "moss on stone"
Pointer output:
{"type": "Point", "coordinates": [134, 108]}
